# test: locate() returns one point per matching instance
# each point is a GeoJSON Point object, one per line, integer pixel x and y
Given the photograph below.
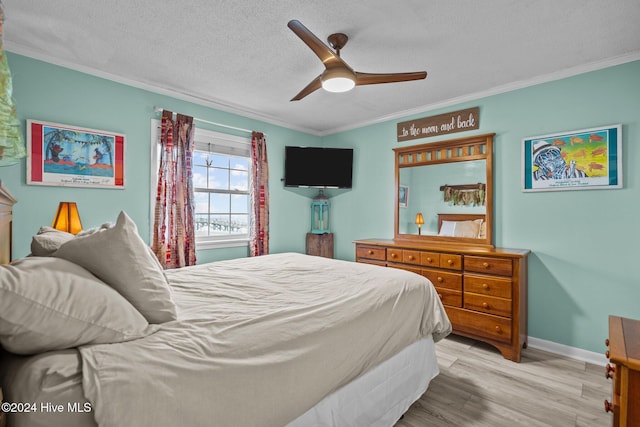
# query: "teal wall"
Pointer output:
{"type": "Point", "coordinates": [584, 243]}
{"type": "Point", "coordinates": [51, 93]}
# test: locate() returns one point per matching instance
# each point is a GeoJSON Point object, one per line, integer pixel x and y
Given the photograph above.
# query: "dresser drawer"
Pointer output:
{"type": "Point", "coordinates": [451, 261]}
{"type": "Point", "coordinates": [372, 262]}
{"type": "Point", "coordinates": [411, 257]}
{"type": "Point", "coordinates": [443, 279]}
{"type": "Point", "coordinates": [450, 297]}
{"type": "Point", "coordinates": [487, 304]}
{"type": "Point", "coordinates": [430, 259]}
{"type": "Point", "coordinates": [371, 252]}
{"type": "Point", "coordinates": [485, 325]}
{"type": "Point", "coordinates": [404, 267]}
{"type": "Point", "coordinates": [486, 285]}
{"type": "Point", "coordinates": [394, 255]}
{"type": "Point", "coordinates": [499, 266]}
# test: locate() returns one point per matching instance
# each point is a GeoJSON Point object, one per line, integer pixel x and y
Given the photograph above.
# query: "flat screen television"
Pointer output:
{"type": "Point", "coordinates": [318, 167]}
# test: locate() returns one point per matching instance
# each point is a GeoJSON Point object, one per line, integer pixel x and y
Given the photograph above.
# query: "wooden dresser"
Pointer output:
{"type": "Point", "coordinates": [6, 207]}
{"type": "Point", "coordinates": [484, 290]}
{"type": "Point", "coordinates": [624, 369]}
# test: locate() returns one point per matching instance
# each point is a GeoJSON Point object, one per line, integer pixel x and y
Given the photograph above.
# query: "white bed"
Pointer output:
{"type": "Point", "coordinates": [283, 339]}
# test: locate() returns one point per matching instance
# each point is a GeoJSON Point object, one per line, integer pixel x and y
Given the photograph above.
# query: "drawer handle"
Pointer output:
{"type": "Point", "coordinates": [498, 329]}
{"type": "Point", "coordinates": [606, 354]}
{"type": "Point", "coordinates": [485, 305]}
{"type": "Point", "coordinates": [485, 264]}
{"type": "Point", "coordinates": [440, 279]}
{"type": "Point", "coordinates": [393, 255]}
{"type": "Point", "coordinates": [370, 252]}
{"type": "Point", "coordinates": [429, 259]}
{"type": "Point", "coordinates": [485, 286]}
{"type": "Point", "coordinates": [606, 342]}
{"type": "Point", "coordinates": [449, 261]}
{"type": "Point", "coordinates": [610, 369]}
{"type": "Point", "coordinates": [608, 407]}
{"type": "Point", "coordinates": [411, 258]}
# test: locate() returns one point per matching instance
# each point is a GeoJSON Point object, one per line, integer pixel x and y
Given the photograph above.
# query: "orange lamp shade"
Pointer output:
{"type": "Point", "coordinates": [67, 218]}
{"type": "Point", "coordinates": [419, 219]}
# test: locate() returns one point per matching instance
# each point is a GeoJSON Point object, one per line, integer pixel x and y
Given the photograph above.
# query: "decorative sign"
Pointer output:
{"type": "Point", "coordinates": [457, 121]}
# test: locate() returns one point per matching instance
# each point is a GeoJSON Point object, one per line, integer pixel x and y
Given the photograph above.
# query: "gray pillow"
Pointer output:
{"type": "Point", "coordinates": [49, 304]}
{"type": "Point", "coordinates": [119, 257]}
{"type": "Point", "coordinates": [48, 240]}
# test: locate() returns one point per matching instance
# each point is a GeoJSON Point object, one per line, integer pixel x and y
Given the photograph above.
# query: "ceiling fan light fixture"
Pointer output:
{"type": "Point", "coordinates": [338, 80]}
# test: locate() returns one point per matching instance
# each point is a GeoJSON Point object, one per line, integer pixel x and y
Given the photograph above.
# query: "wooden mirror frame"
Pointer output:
{"type": "Point", "coordinates": [478, 147]}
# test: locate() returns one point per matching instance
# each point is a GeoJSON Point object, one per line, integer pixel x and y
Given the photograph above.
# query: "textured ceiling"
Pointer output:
{"type": "Point", "coordinates": [239, 56]}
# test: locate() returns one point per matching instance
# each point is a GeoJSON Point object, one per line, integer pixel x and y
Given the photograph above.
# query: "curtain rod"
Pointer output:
{"type": "Point", "coordinates": [160, 110]}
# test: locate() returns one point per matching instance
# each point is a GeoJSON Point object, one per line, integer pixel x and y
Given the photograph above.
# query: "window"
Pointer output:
{"type": "Point", "coordinates": [222, 202]}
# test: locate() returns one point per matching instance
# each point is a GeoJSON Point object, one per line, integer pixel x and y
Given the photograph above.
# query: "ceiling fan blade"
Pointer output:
{"type": "Point", "coordinates": [323, 51]}
{"type": "Point", "coordinates": [373, 79]}
{"type": "Point", "coordinates": [311, 87]}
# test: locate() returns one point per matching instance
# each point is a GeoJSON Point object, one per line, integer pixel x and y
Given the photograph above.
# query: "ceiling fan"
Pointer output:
{"type": "Point", "coordinates": [338, 76]}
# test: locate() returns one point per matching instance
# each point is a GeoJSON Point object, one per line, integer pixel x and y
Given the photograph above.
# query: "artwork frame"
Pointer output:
{"type": "Point", "coordinates": [591, 160]}
{"type": "Point", "coordinates": [403, 196]}
{"type": "Point", "coordinates": [71, 156]}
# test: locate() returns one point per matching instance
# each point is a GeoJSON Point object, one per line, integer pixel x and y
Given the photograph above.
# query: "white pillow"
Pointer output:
{"type": "Point", "coordinates": [447, 228]}
{"type": "Point", "coordinates": [48, 240]}
{"type": "Point", "coordinates": [48, 304]}
{"type": "Point", "coordinates": [120, 258]}
{"type": "Point", "coordinates": [467, 229]}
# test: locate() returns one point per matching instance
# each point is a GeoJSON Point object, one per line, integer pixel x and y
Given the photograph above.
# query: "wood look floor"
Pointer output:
{"type": "Point", "coordinates": [477, 387]}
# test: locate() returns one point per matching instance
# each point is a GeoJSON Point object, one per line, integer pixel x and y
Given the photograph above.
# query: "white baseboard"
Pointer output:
{"type": "Point", "coordinates": [567, 351]}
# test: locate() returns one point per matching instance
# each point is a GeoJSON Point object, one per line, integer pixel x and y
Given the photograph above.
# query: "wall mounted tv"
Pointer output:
{"type": "Point", "coordinates": [318, 167]}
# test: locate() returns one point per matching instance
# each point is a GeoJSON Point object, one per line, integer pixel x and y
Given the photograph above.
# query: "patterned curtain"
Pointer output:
{"type": "Point", "coordinates": [259, 235]}
{"type": "Point", "coordinates": [173, 229]}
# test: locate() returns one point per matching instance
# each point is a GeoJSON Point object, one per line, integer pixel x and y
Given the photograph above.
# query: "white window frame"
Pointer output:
{"type": "Point", "coordinates": [204, 140]}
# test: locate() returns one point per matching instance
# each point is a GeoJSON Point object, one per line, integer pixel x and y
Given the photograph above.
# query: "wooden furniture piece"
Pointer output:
{"type": "Point", "coordinates": [624, 369]}
{"type": "Point", "coordinates": [6, 207]}
{"type": "Point", "coordinates": [427, 168]}
{"type": "Point", "coordinates": [320, 244]}
{"type": "Point", "coordinates": [484, 290]}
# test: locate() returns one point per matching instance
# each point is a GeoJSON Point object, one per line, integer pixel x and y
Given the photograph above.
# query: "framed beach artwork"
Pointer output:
{"type": "Point", "coordinates": [585, 159]}
{"type": "Point", "coordinates": [64, 155]}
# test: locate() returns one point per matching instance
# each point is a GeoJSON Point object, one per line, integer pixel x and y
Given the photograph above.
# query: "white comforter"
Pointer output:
{"type": "Point", "coordinates": [259, 341]}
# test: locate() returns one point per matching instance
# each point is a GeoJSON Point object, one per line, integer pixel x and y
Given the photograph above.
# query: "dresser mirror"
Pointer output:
{"type": "Point", "coordinates": [444, 191]}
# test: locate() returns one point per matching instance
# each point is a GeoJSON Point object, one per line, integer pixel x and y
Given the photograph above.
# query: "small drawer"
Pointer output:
{"type": "Point", "coordinates": [372, 262]}
{"type": "Point", "coordinates": [371, 252]}
{"type": "Point", "coordinates": [485, 285]}
{"type": "Point", "coordinates": [451, 261]}
{"type": "Point", "coordinates": [411, 257]}
{"type": "Point", "coordinates": [443, 279]}
{"type": "Point", "coordinates": [430, 259]}
{"type": "Point", "coordinates": [487, 304]}
{"type": "Point", "coordinates": [394, 255]}
{"type": "Point", "coordinates": [404, 267]}
{"type": "Point", "coordinates": [499, 266]}
{"type": "Point", "coordinates": [449, 297]}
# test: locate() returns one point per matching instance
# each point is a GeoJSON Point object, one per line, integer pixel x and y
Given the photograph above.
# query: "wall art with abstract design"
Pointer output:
{"type": "Point", "coordinates": [584, 159]}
